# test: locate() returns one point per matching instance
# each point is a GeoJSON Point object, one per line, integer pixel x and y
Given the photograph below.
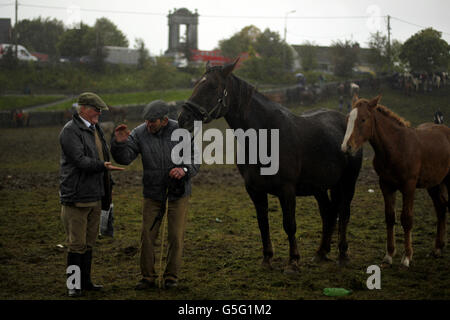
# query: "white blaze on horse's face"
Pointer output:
{"type": "Point", "coordinates": [350, 127]}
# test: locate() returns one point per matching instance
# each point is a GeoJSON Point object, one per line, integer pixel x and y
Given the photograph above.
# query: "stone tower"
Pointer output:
{"type": "Point", "coordinates": [183, 31]}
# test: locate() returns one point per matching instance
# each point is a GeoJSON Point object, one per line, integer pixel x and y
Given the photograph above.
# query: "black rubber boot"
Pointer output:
{"type": "Point", "coordinates": [86, 282]}
{"type": "Point", "coordinates": [75, 259]}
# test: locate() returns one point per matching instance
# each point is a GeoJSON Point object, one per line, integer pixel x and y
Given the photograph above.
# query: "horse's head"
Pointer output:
{"type": "Point", "coordinates": [360, 124]}
{"type": "Point", "coordinates": [209, 99]}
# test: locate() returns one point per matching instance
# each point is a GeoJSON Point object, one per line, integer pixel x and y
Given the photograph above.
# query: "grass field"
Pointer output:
{"type": "Point", "coordinates": [12, 102]}
{"type": "Point", "coordinates": [115, 99]}
{"type": "Point", "coordinates": [223, 250]}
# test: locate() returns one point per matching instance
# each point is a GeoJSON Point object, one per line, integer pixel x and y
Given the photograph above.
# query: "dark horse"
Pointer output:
{"type": "Point", "coordinates": [405, 159]}
{"type": "Point", "coordinates": [310, 159]}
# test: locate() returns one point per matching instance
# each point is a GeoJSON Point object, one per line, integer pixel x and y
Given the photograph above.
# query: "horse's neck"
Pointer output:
{"type": "Point", "coordinates": [384, 140]}
{"type": "Point", "coordinates": [243, 107]}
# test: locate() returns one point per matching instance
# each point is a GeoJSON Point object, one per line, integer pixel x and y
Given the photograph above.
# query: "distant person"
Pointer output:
{"type": "Point", "coordinates": [85, 185]}
{"type": "Point", "coordinates": [438, 117]}
{"type": "Point", "coordinates": [19, 118]}
{"type": "Point", "coordinates": [341, 103]}
{"type": "Point", "coordinates": [163, 180]}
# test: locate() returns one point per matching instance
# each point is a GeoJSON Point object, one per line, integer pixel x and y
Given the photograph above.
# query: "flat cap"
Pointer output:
{"type": "Point", "coordinates": [155, 110]}
{"type": "Point", "coordinates": [93, 100]}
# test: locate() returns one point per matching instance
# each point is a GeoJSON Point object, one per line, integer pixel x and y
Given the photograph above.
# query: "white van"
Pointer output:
{"type": "Point", "coordinates": [23, 53]}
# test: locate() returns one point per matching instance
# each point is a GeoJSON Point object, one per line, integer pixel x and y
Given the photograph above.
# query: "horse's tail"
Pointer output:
{"type": "Point", "coordinates": [445, 192]}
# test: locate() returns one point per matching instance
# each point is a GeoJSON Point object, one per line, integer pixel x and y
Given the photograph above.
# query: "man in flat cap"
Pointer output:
{"type": "Point", "coordinates": [85, 187]}
{"type": "Point", "coordinates": [162, 180]}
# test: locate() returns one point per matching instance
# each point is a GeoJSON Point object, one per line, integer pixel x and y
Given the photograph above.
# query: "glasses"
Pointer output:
{"type": "Point", "coordinates": [96, 109]}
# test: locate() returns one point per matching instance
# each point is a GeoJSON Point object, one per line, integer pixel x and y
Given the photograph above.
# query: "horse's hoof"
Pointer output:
{"type": "Point", "coordinates": [319, 258]}
{"type": "Point", "coordinates": [437, 253]}
{"type": "Point", "coordinates": [267, 264]}
{"type": "Point", "coordinates": [291, 269]}
{"type": "Point", "coordinates": [387, 260]}
{"type": "Point", "coordinates": [405, 261]}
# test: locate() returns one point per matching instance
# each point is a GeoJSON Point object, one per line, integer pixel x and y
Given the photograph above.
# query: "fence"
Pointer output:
{"type": "Point", "coordinates": [284, 95]}
{"type": "Point", "coordinates": [52, 118]}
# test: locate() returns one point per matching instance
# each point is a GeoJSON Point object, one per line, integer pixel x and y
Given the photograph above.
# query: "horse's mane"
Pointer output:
{"type": "Point", "coordinates": [389, 113]}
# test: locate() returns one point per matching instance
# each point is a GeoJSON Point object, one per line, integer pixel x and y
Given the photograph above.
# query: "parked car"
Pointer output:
{"type": "Point", "coordinates": [22, 52]}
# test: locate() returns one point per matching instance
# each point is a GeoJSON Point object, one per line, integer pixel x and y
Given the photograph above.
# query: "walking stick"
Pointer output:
{"type": "Point", "coordinates": [162, 247]}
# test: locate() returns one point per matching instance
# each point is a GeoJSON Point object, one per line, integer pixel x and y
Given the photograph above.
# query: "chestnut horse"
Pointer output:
{"type": "Point", "coordinates": [405, 159]}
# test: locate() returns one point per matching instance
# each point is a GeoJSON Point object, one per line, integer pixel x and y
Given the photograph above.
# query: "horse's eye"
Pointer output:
{"type": "Point", "coordinates": [363, 120]}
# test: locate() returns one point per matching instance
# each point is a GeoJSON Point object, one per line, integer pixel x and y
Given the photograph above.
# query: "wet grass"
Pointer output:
{"type": "Point", "coordinates": [223, 249]}
{"type": "Point", "coordinates": [12, 102]}
{"type": "Point", "coordinates": [115, 99]}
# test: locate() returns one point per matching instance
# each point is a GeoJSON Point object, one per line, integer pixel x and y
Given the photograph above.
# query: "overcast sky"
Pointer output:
{"type": "Point", "coordinates": [318, 21]}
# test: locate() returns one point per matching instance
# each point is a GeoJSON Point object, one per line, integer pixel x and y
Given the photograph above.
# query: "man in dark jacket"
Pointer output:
{"type": "Point", "coordinates": [162, 180]}
{"type": "Point", "coordinates": [85, 185]}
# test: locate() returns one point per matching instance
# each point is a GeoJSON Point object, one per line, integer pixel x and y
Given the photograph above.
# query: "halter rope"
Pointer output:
{"type": "Point", "coordinates": [207, 116]}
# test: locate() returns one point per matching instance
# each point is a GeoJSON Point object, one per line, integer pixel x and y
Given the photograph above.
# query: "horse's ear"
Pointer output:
{"type": "Point", "coordinates": [374, 102]}
{"type": "Point", "coordinates": [208, 65]}
{"type": "Point", "coordinates": [227, 69]}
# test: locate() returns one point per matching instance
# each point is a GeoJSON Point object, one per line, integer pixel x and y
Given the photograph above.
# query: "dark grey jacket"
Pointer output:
{"type": "Point", "coordinates": [155, 150]}
{"type": "Point", "coordinates": [81, 172]}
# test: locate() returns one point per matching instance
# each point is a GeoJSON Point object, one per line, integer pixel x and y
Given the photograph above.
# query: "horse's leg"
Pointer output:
{"type": "Point", "coordinates": [407, 220]}
{"type": "Point", "coordinates": [389, 213]}
{"type": "Point", "coordinates": [346, 197]}
{"type": "Point", "coordinates": [287, 201]}
{"type": "Point", "coordinates": [440, 205]}
{"type": "Point", "coordinates": [328, 215]}
{"type": "Point", "coordinates": [260, 201]}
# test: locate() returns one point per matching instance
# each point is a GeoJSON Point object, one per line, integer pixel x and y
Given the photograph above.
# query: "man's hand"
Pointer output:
{"type": "Point", "coordinates": [110, 167]}
{"type": "Point", "coordinates": [177, 173]}
{"type": "Point", "coordinates": [121, 133]}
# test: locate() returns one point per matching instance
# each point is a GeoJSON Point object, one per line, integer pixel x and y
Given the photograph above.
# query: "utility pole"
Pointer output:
{"type": "Point", "coordinates": [15, 29]}
{"type": "Point", "coordinates": [389, 40]}
{"type": "Point", "coordinates": [285, 32]}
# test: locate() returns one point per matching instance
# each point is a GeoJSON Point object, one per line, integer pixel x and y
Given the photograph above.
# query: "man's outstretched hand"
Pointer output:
{"type": "Point", "coordinates": [110, 167]}
{"type": "Point", "coordinates": [121, 133]}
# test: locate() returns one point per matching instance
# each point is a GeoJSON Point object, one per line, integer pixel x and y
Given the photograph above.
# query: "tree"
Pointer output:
{"type": "Point", "coordinates": [378, 54]}
{"type": "Point", "coordinates": [40, 35]}
{"type": "Point", "coordinates": [160, 75]}
{"type": "Point", "coordinates": [426, 51]}
{"type": "Point", "coordinates": [90, 41]}
{"type": "Point", "coordinates": [239, 42]}
{"type": "Point", "coordinates": [344, 56]}
{"type": "Point", "coordinates": [72, 42]}
{"type": "Point", "coordinates": [308, 56]}
{"type": "Point", "coordinates": [270, 57]}
{"type": "Point", "coordinates": [143, 52]}
{"type": "Point", "coordinates": [107, 33]}
{"type": "Point", "coordinates": [396, 47]}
